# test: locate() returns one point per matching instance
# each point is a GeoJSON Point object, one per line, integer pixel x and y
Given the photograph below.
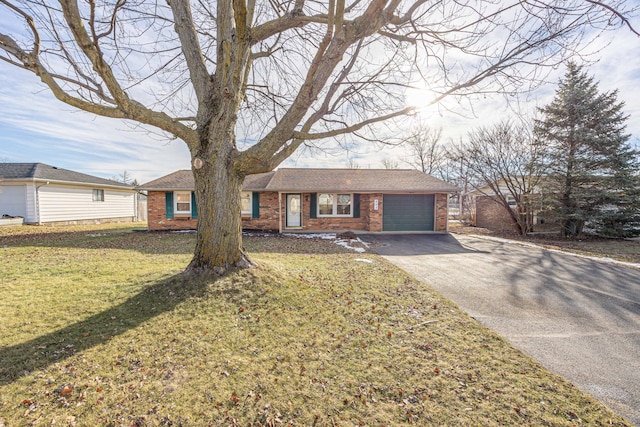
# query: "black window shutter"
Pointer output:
{"type": "Point", "coordinates": [313, 205]}
{"type": "Point", "coordinates": [168, 199]}
{"type": "Point", "coordinates": [255, 205]}
{"type": "Point", "coordinates": [356, 206]}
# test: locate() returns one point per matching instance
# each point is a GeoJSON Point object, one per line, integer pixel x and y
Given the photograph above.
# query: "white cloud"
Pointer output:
{"type": "Point", "coordinates": [38, 128]}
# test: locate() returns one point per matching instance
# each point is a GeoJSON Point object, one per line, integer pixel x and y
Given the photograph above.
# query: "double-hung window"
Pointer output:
{"type": "Point", "coordinates": [182, 202]}
{"type": "Point", "coordinates": [98, 195]}
{"type": "Point", "coordinates": [334, 204]}
{"type": "Point", "coordinates": [245, 202]}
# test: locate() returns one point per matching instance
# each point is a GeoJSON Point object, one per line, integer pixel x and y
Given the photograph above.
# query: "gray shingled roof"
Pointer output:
{"type": "Point", "coordinates": [316, 180]}
{"type": "Point", "coordinates": [183, 180]}
{"type": "Point", "coordinates": [42, 172]}
{"type": "Point", "coordinates": [357, 180]}
{"type": "Point", "coordinates": [178, 180]}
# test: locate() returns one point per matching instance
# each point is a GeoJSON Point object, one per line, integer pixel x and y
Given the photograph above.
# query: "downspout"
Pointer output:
{"type": "Point", "coordinates": [38, 202]}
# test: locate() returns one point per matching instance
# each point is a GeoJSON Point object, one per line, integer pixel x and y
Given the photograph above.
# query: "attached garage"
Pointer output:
{"type": "Point", "coordinates": [408, 212]}
{"type": "Point", "coordinates": [12, 200]}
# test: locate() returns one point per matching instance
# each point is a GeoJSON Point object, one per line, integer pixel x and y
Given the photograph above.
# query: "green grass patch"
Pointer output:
{"type": "Point", "coordinates": [98, 328]}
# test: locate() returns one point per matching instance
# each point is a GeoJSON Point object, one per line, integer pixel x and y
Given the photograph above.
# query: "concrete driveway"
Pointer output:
{"type": "Point", "coordinates": [577, 317]}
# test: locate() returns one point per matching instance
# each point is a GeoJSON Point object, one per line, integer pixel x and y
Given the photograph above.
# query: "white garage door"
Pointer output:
{"type": "Point", "coordinates": [12, 200]}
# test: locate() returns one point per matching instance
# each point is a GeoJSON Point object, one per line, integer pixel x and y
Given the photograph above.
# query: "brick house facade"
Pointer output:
{"type": "Point", "coordinates": [491, 214]}
{"type": "Point", "coordinates": [362, 193]}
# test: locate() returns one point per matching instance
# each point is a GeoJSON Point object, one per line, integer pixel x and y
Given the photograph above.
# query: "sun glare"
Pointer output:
{"type": "Point", "coordinates": [418, 96]}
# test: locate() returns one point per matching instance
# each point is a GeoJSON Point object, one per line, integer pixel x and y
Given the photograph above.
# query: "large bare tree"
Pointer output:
{"type": "Point", "coordinates": [245, 82]}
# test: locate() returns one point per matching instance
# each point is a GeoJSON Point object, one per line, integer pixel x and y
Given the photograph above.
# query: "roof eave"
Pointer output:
{"type": "Point", "coordinates": [85, 184]}
{"type": "Point", "coordinates": [366, 190]}
{"type": "Point", "coordinates": [164, 188]}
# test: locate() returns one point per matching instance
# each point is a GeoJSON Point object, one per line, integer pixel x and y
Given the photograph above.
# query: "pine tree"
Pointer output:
{"type": "Point", "coordinates": [590, 168]}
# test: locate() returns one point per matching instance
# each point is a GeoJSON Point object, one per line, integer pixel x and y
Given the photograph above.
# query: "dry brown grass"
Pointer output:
{"type": "Point", "coordinates": [97, 328]}
{"type": "Point", "coordinates": [618, 249]}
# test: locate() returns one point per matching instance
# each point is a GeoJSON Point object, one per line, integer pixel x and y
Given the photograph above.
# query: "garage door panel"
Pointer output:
{"type": "Point", "coordinates": [408, 212]}
{"type": "Point", "coordinates": [12, 200]}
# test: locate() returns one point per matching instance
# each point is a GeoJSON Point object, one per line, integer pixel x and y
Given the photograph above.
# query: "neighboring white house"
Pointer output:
{"type": "Point", "coordinates": [44, 194]}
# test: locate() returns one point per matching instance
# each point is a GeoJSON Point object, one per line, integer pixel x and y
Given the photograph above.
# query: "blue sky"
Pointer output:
{"type": "Point", "coordinates": [35, 127]}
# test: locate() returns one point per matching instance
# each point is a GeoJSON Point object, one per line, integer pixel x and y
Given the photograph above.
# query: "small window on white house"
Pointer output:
{"type": "Point", "coordinates": [98, 195]}
{"type": "Point", "coordinates": [511, 201]}
{"type": "Point", "coordinates": [245, 202]}
{"type": "Point", "coordinates": [334, 204]}
{"type": "Point", "coordinates": [183, 202]}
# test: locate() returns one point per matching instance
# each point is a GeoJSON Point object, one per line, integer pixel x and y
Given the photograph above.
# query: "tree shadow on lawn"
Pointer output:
{"type": "Point", "coordinates": [156, 243]}
{"type": "Point", "coordinates": [21, 359]}
{"type": "Point", "coordinates": [170, 242]}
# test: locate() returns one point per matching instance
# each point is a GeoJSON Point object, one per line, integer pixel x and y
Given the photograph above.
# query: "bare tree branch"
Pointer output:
{"type": "Point", "coordinates": [616, 13]}
{"type": "Point", "coordinates": [191, 49]}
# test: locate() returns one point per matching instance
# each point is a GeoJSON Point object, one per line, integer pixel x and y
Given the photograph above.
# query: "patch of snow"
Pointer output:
{"type": "Point", "coordinates": [368, 261]}
{"type": "Point", "coordinates": [347, 244]}
{"type": "Point", "coordinates": [324, 236]}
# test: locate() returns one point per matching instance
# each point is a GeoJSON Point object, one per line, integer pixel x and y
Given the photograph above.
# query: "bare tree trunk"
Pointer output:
{"type": "Point", "coordinates": [219, 237]}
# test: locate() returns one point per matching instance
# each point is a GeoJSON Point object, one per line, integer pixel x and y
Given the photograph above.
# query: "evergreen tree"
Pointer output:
{"type": "Point", "coordinates": [590, 168]}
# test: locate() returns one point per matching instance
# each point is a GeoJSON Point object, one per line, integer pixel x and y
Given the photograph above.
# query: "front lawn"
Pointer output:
{"type": "Point", "coordinates": [98, 328]}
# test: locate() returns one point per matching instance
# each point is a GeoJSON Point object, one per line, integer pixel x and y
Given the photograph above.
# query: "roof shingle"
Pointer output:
{"type": "Point", "coordinates": [316, 180]}
{"type": "Point", "coordinates": [357, 180]}
{"type": "Point", "coordinates": [43, 172]}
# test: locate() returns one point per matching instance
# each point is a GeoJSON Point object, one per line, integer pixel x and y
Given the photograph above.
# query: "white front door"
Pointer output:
{"type": "Point", "coordinates": [294, 211]}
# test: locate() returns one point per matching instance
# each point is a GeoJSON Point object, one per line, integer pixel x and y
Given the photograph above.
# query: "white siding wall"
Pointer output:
{"type": "Point", "coordinates": [32, 215]}
{"type": "Point", "coordinates": [13, 200]}
{"type": "Point", "coordinates": [70, 203]}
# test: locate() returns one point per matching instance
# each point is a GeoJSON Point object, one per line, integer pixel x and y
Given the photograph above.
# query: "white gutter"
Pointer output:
{"type": "Point", "coordinates": [86, 184]}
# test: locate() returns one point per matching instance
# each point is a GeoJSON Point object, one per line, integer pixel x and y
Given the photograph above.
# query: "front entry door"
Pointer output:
{"type": "Point", "coordinates": [294, 211]}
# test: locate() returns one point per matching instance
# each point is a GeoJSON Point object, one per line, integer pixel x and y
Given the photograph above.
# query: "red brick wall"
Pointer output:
{"type": "Point", "coordinates": [157, 216]}
{"type": "Point", "coordinates": [268, 220]}
{"type": "Point", "coordinates": [492, 215]}
{"type": "Point", "coordinates": [375, 216]}
{"type": "Point", "coordinates": [157, 219]}
{"type": "Point", "coordinates": [441, 211]}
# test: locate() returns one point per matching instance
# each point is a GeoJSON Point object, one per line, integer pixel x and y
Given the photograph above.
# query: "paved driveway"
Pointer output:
{"type": "Point", "coordinates": [577, 317]}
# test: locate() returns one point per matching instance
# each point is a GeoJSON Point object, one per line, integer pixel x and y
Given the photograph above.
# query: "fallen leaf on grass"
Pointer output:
{"type": "Point", "coordinates": [66, 390]}
{"type": "Point", "coordinates": [234, 398]}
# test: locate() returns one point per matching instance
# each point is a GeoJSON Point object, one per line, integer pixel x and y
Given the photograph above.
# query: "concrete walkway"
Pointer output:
{"type": "Point", "coordinates": [578, 317]}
